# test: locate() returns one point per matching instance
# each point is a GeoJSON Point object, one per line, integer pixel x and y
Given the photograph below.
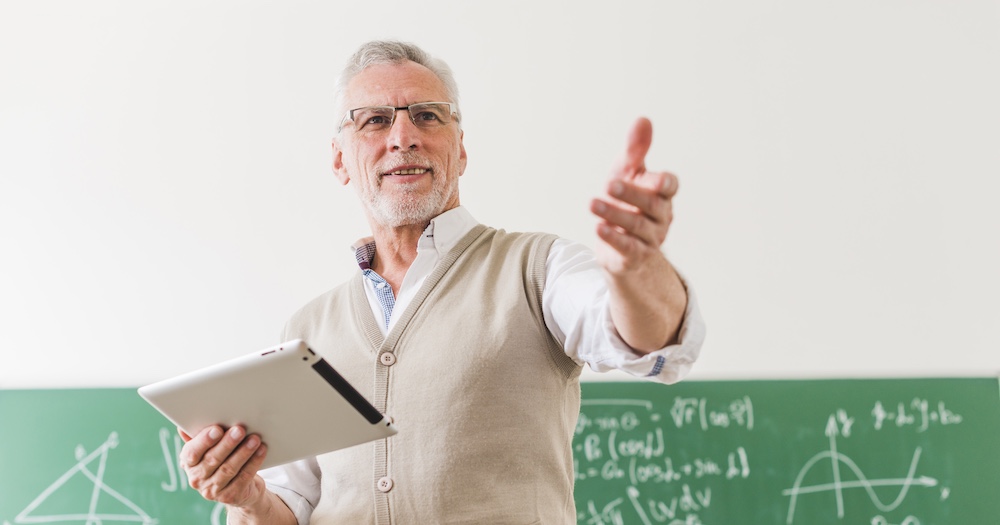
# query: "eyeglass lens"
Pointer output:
{"type": "Point", "coordinates": [423, 115]}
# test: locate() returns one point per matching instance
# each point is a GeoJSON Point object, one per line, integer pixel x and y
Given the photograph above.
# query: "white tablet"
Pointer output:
{"type": "Point", "coordinates": [298, 404]}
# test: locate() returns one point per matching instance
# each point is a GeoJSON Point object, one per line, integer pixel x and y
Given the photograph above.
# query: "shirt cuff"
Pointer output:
{"type": "Point", "coordinates": [303, 475]}
{"type": "Point", "coordinates": [667, 365]}
{"type": "Point", "coordinates": [298, 504]}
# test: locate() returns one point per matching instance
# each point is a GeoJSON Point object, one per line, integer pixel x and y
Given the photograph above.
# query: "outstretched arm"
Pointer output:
{"type": "Point", "coordinates": [648, 299]}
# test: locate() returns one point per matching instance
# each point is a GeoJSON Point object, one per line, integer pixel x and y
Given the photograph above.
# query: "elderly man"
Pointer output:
{"type": "Point", "coordinates": [471, 338]}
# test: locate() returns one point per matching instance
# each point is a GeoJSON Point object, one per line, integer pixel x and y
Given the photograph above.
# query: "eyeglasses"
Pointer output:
{"type": "Point", "coordinates": [373, 119]}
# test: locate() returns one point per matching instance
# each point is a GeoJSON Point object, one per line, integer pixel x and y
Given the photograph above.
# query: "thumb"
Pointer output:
{"type": "Point", "coordinates": [639, 140]}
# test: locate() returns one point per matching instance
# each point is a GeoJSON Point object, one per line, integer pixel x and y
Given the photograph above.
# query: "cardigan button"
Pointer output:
{"type": "Point", "coordinates": [387, 358]}
{"type": "Point", "coordinates": [385, 484]}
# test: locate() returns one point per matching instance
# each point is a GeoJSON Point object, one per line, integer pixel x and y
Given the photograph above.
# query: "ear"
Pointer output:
{"type": "Point", "coordinates": [338, 164]}
{"type": "Point", "coordinates": [462, 157]}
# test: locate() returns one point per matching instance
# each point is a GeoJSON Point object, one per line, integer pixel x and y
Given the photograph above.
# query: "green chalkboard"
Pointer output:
{"type": "Point", "coordinates": [872, 452]}
{"type": "Point", "coordinates": [94, 457]}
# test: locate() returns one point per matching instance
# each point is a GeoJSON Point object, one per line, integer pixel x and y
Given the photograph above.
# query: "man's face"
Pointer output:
{"type": "Point", "coordinates": [404, 175]}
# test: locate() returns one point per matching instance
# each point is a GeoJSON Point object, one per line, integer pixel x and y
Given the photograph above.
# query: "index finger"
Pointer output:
{"type": "Point", "coordinates": [640, 138]}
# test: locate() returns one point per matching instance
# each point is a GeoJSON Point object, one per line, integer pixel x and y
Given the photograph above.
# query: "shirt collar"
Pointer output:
{"type": "Point", "coordinates": [441, 235]}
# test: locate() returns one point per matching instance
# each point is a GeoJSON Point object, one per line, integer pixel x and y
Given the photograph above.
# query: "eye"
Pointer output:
{"type": "Point", "coordinates": [430, 115]}
{"type": "Point", "coordinates": [372, 119]}
{"type": "Point", "coordinates": [426, 116]}
{"type": "Point", "coordinates": [375, 122]}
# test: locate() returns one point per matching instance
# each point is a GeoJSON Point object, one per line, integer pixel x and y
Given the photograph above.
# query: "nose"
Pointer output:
{"type": "Point", "coordinates": [403, 134]}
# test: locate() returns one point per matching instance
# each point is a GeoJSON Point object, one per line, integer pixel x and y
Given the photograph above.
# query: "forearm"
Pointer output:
{"type": "Point", "coordinates": [270, 510]}
{"type": "Point", "coordinates": [647, 305]}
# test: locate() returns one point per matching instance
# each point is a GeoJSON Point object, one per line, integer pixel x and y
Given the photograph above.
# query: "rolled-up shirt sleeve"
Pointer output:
{"type": "Point", "coordinates": [577, 311]}
{"type": "Point", "coordinates": [297, 484]}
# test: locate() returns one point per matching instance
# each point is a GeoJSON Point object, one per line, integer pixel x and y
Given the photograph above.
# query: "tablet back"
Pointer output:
{"type": "Point", "coordinates": [291, 397]}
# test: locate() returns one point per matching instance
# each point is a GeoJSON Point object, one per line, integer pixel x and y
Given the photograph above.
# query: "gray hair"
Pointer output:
{"type": "Point", "coordinates": [393, 52]}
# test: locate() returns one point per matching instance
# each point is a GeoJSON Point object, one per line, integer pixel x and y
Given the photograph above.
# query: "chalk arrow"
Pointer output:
{"type": "Point", "coordinates": [831, 432]}
{"type": "Point", "coordinates": [926, 481]}
{"type": "Point", "coordinates": [832, 427]}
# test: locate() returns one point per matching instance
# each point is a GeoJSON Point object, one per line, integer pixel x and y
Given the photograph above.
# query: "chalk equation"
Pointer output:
{"type": "Point", "coordinates": [691, 460]}
{"type": "Point", "coordinates": [677, 510]}
{"type": "Point", "coordinates": [622, 443]}
{"type": "Point", "coordinates": [919, 414]}
{"type": "Point", "coordinates": [104, 504]}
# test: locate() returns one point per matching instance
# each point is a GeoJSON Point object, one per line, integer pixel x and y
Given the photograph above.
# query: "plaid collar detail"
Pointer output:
{"type": "Point", "coordinates": [364, 252]}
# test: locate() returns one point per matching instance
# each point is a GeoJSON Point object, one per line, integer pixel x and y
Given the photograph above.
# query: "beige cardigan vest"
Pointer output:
{"type": "Point", "coordinates": [485, 399]}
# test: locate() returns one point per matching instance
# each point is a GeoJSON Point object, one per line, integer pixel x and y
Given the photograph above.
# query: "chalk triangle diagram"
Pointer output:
{"type": "Point", "coordinates": [82, 489]}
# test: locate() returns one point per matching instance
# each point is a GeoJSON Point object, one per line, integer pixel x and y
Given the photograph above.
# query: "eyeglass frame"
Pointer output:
{"type": "Point", "coordinates": [349, 115]}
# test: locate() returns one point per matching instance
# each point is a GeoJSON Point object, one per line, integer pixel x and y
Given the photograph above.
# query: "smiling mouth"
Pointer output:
{"type": "Point", "coordinates": [411, 171]}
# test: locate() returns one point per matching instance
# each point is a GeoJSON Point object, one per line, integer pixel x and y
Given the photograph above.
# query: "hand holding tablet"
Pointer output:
{"type": "Point", "coordinates": [288, 395]}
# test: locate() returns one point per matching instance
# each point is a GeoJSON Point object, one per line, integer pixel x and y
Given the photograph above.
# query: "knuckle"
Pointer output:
{"type": "Point", "coordinates": [246, 476]}
{"type": "Point", "coordinates": [660, 205]}
{"type": "Point", "coordinates": [187, 457]}
{"type": "Point", "coordinates": [652, 201]}
{"type": "Point", "coordinates": [660, 212]}
{"type": "Point", "coordinates": [242, 483]}
{"type": "Point", "coordinates": [196, 482]}
{"type": "Point", "coordinates": [210, 463]}
{"type": "Point", "coordinates": [638, 222]}
{"type": "Point", "coordinates": [227, 471]}
{"type": "Point", "coordinates": [210, 493]}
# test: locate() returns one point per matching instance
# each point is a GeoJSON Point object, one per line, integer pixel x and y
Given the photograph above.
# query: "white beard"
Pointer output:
{"type": "Point", "coordinates": [410, 207]}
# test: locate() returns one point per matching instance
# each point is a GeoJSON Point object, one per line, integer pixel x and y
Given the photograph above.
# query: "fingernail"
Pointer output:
{"type": "Point", "coordinates": [600, 207]}
{"type": "Point", "coordinates": [252, 442]}
{"type": "Point", "coordinates": [215, 433]}
{"type": "Point", "coordinates": [236, 432]}
{"type": "Point", "coordinates": [617, 188]}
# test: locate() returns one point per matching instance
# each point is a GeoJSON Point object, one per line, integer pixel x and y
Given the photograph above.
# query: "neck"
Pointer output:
{"type": "Point", "coordinates": [396, 248]}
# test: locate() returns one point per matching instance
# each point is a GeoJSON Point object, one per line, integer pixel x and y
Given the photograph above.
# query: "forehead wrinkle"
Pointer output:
{"type": "Point", "coordinates": [394, 85]}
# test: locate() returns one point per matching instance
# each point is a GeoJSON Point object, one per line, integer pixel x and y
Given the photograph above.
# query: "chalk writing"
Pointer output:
{"type": "Point", "coordinates": [90, 515]}
{"type": "Point", "coordinates": [678, 510]}
{"type": "Point", "coordinates": [218, 514]}
{"type": "Point", "coordinates": [919, 414]}
{"type": "Point", "coordinates": [177, 476]}
{"type": "Point", "coordinates": [693, 459]}
{"type": "Point", "coordinates": [669, 470]}
{"type": "Point", "coordinates": [688, 411]}
{"type": "Point", "coordinates": [909, 520]}
{"type": "Point", "coordinates": [843, 422]}
{"type": "Point", "coordinates": [609, 514]}
{"type": "Point", "coordinates": [666, 511]}
{"type": "Point", "coordinates": [624, 441]}
{"type": "Point", "coordinates": [838, 485]}
{"type": "Point", "coordinates": [93, 467]}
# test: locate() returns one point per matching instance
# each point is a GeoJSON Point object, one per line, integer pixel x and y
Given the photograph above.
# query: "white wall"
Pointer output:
{"type": "Point", "coordinates": [166, 200]}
